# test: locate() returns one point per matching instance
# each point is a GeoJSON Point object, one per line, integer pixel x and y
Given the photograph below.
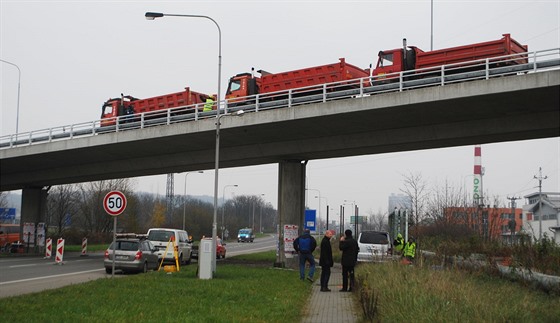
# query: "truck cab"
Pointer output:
{"type": "Point", "coordinates": [242, 85]}
{"type": "Point", "coordinates": [114, 108]}
{"type": "Point", "coordinates": [396, 60]}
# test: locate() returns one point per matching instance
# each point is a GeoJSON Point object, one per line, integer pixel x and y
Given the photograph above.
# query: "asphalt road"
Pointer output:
{"type": "Point", "coordinates": [27, 274]}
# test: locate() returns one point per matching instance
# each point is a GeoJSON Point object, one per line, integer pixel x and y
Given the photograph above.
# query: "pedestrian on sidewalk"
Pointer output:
{"type": "Point", "coordinates": [349, 247]}
{"type": "Point", "coordinates": [326, 260]}
{"type": "Point", "coordinates": [304, 246]}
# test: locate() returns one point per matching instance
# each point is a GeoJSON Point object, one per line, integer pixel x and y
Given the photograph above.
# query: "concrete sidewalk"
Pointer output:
{"type": "Point", "coordinates": [331, 306]}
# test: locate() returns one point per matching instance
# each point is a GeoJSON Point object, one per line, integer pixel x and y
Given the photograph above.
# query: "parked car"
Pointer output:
{"type": "Point", "coordinates": [374, 246]}
{"type": "Point", "coordinates": [161, 238]}
{"type": "Point", "coordinates": [220, 250]}
{"type": "Point", "coordinates": [131, 255]}
{"type": "Point", "coordinates": [245, 235]}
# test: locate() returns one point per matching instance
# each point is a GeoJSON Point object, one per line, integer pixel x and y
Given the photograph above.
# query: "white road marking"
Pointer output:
{"type": "Point", "coordinates": [52, 276]}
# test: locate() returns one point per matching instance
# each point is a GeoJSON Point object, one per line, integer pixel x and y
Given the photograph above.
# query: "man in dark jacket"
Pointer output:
{"type": "Point", "coordinates": [305, 245]}
{"type": "Point", "coordinates": [326, 260]}
{"type": "Point", "coordinates": [349, 247]}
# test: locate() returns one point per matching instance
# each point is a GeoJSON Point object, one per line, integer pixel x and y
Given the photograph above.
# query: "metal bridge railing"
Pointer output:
{"type": "Point", "coordinates": [531, 62]}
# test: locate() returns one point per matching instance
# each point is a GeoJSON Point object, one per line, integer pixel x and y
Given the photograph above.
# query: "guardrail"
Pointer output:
{"type": "Point", "coordinates": [537, 61]}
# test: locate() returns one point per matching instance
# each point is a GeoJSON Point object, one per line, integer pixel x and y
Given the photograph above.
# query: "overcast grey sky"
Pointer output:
{"type": "Point", "coordinates": [74, 55]}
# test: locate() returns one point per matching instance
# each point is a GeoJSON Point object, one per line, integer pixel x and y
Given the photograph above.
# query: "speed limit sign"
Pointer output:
{"type": "Point", "coordinates": [114, 203]}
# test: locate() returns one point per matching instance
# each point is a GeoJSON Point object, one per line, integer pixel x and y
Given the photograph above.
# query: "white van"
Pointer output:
{"type": "Point", "coordinates": [160, 238]}
{"type": "Point", "coordinates": [374, 246]}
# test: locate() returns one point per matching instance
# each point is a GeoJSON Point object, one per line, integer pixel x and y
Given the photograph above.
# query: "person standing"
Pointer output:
{"type": "Point", "coordinates": [304, 246]}
{"type": "Point", "coordinates": [398, 244]}
{"type": "Point", "coordinates": [326, 260]}
{"type": "Point", "coordinates": [349, 247]}
{"type": "Point", "coordinates": [409, 250]}
{"type": "Point", "coordinates": [208, 105]}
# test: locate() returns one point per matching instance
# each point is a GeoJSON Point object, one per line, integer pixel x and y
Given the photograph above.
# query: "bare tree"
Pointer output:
{"type": "Point", "coordinates": [377, 221]}
{"type": "Point", "coordinates": [415, 187]}
{"type": "Point", "coordinates": [62, 208]}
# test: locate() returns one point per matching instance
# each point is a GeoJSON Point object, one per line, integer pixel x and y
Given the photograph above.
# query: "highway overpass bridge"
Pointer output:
{"type": "Point", "coordinates": [506, 108]}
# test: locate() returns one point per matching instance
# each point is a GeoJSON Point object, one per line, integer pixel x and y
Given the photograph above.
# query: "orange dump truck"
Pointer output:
{"type": "Point", "coordinates": [413, 58]}
{"type": "Point", "coordinates": [246, 84]}
{"type": "Point", "coordinates": [128, 105]}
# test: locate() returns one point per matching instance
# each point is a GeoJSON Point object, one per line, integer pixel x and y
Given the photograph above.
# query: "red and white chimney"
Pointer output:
{"type": "Point", "coordinates": [477, 179]}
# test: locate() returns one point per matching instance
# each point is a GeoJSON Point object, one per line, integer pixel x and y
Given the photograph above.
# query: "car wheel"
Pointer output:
{"type": "Point", "coordinates": [108, 270]}
{"type": "Point", "coordinates": [145, 268]}
{"type": "Point", "coordinates": [188, 262]}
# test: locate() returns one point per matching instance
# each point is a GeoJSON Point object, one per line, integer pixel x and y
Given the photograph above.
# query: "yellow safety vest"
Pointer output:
{"type": "Point", "coordinates": [409, 249]}
{"type": "Point", "coordinates": [208, 105]}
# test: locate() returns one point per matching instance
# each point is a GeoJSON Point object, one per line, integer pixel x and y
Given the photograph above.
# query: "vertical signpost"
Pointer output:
{"type": "Point", "coordinates": [114, 204]}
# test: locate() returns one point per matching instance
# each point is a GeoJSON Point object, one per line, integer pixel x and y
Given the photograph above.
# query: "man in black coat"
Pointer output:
{"type": "Point", "coordinates": [349, 247]}
{"type": "Point", "coordinates": [326, 260]}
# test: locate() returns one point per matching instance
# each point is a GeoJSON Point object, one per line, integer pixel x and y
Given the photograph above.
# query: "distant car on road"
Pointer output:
{"type": "Point", "coordinates": [133, 253]}
{"type": "Point", "coordinates": [245, 235]}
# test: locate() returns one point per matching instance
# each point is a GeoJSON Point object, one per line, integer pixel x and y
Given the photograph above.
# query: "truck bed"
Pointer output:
{"type": "Point", "coordinates": [168, 101]}
{"type": "Point", "coordinates": [311, 76]}
{"type": "Point", "coordinates": [504, 46]}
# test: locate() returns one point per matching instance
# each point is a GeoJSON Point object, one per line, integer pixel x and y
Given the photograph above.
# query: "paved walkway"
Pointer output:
{"type": "Point", "coordinates": [331, 306]}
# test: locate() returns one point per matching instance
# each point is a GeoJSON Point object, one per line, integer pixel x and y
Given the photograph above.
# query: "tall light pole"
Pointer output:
{"type": "Point", "coordinates": [224, 207]}
{"type": "Point", "coordinates": [185, 201]}
{"type": "Point", "coordinates": [327, 204]}
{"type": "Point", "coordinates": [18, 88]}
{"type": "Point", "coordinates": [154, 15]}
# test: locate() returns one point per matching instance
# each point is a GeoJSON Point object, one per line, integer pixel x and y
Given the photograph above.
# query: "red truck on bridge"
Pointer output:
{"type": "Point", "coordinates": [128, 105]}
{"type": "Point", "coordinates": [413, 58]}
{"type": "Point", "coordinates": [246, 84]}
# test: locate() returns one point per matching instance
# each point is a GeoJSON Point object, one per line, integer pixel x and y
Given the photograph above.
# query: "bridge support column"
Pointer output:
{"type": "Point", "coordinates": [291, 206]}
{"type": "Point", "coordinates": [33, 206]}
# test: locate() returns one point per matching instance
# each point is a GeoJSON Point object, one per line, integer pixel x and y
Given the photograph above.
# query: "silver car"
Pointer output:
{"type": "Point", "coordinates": [131, 255]}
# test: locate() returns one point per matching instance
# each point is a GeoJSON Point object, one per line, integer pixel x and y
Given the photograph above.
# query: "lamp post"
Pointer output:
{"type": "Point", "coordinates": [224, 206]}
{"type": "Point", "coordinates": [185, 201]}
{"type": "Point", "coordinates": [327, 204]}
{"type": "Point", "coordinates": [154, 15]}
{"type": "Point", "coordinates": [355, 216]}
{"type": "Point", "coordinates": [18, 88]}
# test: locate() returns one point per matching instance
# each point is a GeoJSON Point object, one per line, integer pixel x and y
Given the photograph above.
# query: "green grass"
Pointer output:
{"type": "Point", "coordinates": [414, 294]}
{"type": "Point", "coordinates": [238, 293]}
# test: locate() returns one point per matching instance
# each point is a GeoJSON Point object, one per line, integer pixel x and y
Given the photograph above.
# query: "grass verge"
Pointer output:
{"type": "Point", "coordinates": [238, 293]}
{"type": "Point", "coordinates": [399, 293]}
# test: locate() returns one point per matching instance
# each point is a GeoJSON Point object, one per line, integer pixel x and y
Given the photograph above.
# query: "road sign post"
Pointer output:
{"type": "Point", "coordinates": [114, 204]}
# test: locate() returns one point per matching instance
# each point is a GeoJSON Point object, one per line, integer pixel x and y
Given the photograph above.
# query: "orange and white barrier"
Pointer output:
{"type": "Point", "coordinates": [59, 250]}
{"type": "Point", "coordinates": [48, 249]}
{"type": "Point", "coordinates": [84, 246]}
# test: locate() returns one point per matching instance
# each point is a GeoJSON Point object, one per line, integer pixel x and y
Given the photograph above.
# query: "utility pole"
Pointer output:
{"type": "Point", "coordinates": [169, 197]}
{"type": "Point", "coordinates": [510, 225]}
{"type": "Point", "coordinates": [540, 178]}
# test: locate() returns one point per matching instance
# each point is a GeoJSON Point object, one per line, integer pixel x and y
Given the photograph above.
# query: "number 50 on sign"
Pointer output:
{"type": "Point", "coordinates": [114, 203]}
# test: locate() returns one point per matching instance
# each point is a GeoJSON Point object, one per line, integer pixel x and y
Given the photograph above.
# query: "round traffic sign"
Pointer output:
{"type": "Point", "coordinates": [114, 203]}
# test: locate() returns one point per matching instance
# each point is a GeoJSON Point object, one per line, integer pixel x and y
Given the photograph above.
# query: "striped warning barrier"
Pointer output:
{"type": "Point", "coordinates": [59, 250]}
{"type": "Point", "coordinates": [84, 246]}
{"type": "Point", "coordinates": [48, 249]}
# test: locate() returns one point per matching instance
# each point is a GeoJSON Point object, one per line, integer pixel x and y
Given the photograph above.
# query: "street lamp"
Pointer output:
{"type": "Point", "coordinates": [18, 87]}
{"type": "Point", "coordinates": [185, 201]}
{"type": "Point", "coordinates": [154, 15]}
{"type": "Point", "coordinates": [327, 204]}
{"type": "Point", "coordinates": [224, 206]}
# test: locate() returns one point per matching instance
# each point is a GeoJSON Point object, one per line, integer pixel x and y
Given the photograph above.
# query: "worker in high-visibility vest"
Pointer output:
{"type": "Point", "coordinates": [398, 245]}
{"type": "Point", "coordinates": [209, 104]}
{"type": "Point", "coordinates": [409, 249]}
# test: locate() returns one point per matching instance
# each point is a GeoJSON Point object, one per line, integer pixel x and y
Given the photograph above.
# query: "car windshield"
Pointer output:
{"type": "Point", "coordinates": [160, 235]}
{"type": "Point", "coordinates": [126, 245]}
{"type": "Point", "coordinates": [374, 238]}
{"type": "Point", "coordinates": [245, 231]}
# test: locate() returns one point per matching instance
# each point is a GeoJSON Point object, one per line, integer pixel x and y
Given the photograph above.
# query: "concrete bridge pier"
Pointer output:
{"type": "Point", "coordinates": [33, 207]}
{"type": "Point", "coordinates": [291, 206]}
